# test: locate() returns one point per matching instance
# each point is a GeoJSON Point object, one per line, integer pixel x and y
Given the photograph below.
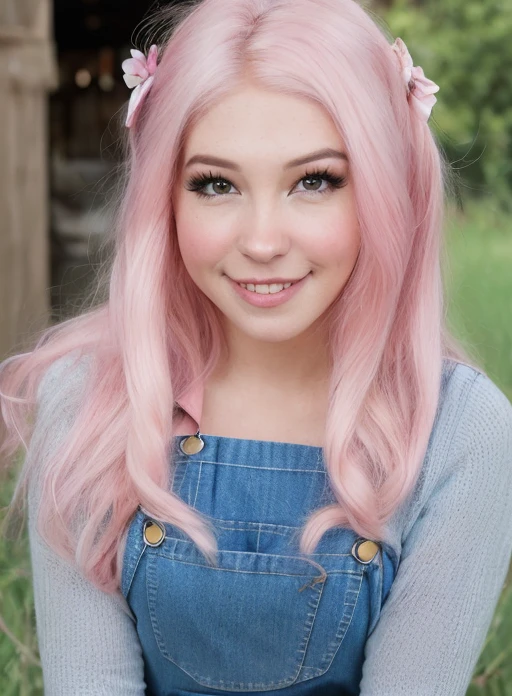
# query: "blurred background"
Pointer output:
{"type": "Point", "coordinates": [61, 91]}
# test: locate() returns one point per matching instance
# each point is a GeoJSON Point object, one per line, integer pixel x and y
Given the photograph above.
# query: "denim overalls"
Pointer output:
{"type": "Point", "coordinates": [267, 617]}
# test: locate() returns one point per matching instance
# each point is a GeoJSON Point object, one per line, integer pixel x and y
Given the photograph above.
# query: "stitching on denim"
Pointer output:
{"type": "Point", "coordinates": [321, 588]}
{"type": "Point", "coordinates": [244, 529]}
{"type": "Point", "coordinates": [379, 591]}
{"type": "Point", "coordinates": [135, 570]}
{"type": "Point", "coordinates": [258, 537]}
{"type": "Point", "coordinates": [129, 557]}
{"type": "Point", "coordinates": [177, 557]}
{"type": "Point", "coordinates": [346, 620]}
{"type": "Point", "coordinates": [197, 484]}
{"type": "Point", "coordinates": [178, 492]}
{"type": "Point", "coordinates": [253, 526]}
{"type": "Point", "coordinates": [129, 565]}
{"type": "Point", "coordinates": [251, 466]}
{"type": "Point", "coordinates": [231, 529]}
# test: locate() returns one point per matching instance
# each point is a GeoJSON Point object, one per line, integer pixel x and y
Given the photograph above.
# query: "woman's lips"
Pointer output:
{"type": "Point", "coordinates": [271, 299]}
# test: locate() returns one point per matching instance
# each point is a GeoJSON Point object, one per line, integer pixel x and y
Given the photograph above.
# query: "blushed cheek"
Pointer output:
{"type": "Point", "coordinates": [188, 243]}
{"type": "Point", "coordinates": [338, 243]}
{"type": "Point", "coordinates": [200, 244]}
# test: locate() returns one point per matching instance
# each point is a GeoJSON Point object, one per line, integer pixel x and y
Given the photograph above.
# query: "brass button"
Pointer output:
{"type": "Point", "coordinates": [192, 444]}
{"type": "Point", "coordinates": [154, 533]}
{"type": "Point", "coordinates": [365, 550]}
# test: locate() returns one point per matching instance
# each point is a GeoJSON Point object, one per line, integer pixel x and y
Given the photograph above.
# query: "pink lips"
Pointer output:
{"type": "Point", "coordinates": [271, 299]}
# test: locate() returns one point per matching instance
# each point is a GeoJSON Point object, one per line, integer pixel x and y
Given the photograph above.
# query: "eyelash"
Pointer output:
{"type": "Point", "coordinates": [200, 181]}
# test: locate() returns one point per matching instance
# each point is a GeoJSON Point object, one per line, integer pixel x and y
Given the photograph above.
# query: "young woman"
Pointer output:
{"type": "Point", "coordinates": [263, 463]}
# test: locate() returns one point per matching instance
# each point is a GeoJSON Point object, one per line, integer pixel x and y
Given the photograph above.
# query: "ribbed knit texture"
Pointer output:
{"type": "Point", "coordinates": [453, 537]}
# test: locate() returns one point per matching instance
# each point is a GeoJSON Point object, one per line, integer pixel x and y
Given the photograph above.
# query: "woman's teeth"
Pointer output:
{"type": "Point", "coordinates": [265, 289]}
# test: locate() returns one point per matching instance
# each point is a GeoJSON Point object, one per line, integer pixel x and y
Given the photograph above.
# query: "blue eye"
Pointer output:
{"type": "Point", "coordinates": [199, 182]}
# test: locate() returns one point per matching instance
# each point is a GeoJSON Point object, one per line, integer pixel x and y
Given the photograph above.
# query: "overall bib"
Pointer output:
{"type": "Point", "coordinates": [267, 618]}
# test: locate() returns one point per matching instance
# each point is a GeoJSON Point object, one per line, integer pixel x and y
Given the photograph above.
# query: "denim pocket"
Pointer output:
{"type": "Point", "coordinates": [258, 620]}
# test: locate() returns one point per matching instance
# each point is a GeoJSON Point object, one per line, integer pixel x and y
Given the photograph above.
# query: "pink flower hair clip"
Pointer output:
{"type": "Point", "coordinates": [418, 86]}
{"type": "Point", "coordinates": [139, 73]}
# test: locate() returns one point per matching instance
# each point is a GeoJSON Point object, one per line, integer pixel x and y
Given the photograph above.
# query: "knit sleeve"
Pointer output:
{"type": "Point", "coordinates": [455, 557]}
{"type": "Point", "coordinates": [87, 638]}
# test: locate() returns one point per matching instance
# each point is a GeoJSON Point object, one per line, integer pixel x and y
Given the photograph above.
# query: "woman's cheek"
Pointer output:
{"type": "Point", "coordinates": [334, 241]}
{"type": "Point", "coordinates": [203, 243]}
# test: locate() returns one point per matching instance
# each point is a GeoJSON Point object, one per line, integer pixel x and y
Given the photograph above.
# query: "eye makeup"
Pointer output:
{"type": "Point", "coordinates": [199, 182]}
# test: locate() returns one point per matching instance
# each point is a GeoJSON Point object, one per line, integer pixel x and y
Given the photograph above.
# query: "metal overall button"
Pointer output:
{"type": "Point", "coordinates": [365, 550]}
{"type": "Point", "coordinates": [154, 532]}
{"type": "Point", "coordinates": [192, 444]}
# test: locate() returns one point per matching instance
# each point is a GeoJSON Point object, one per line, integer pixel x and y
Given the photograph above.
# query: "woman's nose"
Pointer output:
{"type": "Point", "coordinates": [264, 236]}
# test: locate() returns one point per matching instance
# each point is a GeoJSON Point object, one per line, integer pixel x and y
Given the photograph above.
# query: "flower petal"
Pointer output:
{"type": "Point", "coordinates": [132, 80]}
{"type": "Point", "coordinates": [138, 54]}
{"type": "Point", "coordinates": [423, 107]}
{"type": "Point", "coordinates": [136, 100]}
{"type": "Point", "coordinates": [403, 54]}
{"type": "Point", "coordinates": [133, 66]}
{"type": "Point", "coordinates": [152, 59]}
{"type": "Point", "coordinates": [423, 84]}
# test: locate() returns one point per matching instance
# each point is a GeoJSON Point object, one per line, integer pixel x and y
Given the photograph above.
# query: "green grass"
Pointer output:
{"type": "Point", "coordinates": [480, 290]}
{"type": "Point", "coordinates": [480, 286]}
{"type": "Point", "coordinates": [20, 666]}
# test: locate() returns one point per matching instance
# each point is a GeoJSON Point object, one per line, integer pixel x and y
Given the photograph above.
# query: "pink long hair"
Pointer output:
{"type": "Point", "coordinates": [156, 332]}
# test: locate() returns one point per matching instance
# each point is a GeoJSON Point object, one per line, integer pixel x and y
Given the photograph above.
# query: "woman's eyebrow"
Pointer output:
{"type": "Point", "coordinates": [220, 162]}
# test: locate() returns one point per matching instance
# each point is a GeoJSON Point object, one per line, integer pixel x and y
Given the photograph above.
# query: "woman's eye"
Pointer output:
{"type": "Point", "coordinates": [219, 186]}
{"type": "Point", "coordinates": [313, 181]}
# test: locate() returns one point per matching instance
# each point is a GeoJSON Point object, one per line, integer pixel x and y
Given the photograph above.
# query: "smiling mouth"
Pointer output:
{"type": "Point", "coordinates": [269, 281]}
{"type": "Point", "coordinates": [264, 289]}
{"type": "Point", "coordinates": [268, 288]}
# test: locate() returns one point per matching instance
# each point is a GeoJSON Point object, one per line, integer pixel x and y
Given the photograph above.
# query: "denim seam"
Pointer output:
{"type": "Point", "coordinates": [178, 492]}
{"type": "Point", "coordinates": [345, 621]}
{"type": "Point", "coordinates": [250, 466]}
{"type": "Point", "coordinates": [248, 526]}
{"type": "Point", "coordinates": [197, 483]}
{"type": "Point", "coordinates": [135, 570]}
{"type": "Point", "coordinates": [335, 571]}
{"type": "Point", "coordinates": [380, 590]}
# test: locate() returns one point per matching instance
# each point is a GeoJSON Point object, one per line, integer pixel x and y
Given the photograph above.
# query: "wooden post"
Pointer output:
{"type": "Point", "coordinates": [28, 73]}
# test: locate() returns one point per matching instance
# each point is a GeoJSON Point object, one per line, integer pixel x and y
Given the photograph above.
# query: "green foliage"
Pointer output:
{"type": "Point", "coordinates": [20, 665]}
{"type": "Point", "coordinates": [465, 47]}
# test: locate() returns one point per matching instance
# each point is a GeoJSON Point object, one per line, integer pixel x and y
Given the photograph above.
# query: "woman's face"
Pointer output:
{"type": "Point", "coordinates": [268, 211]}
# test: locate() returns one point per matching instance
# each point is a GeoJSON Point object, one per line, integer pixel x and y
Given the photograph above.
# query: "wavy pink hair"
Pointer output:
{"type": "Point", "coordinates": [156, 331]}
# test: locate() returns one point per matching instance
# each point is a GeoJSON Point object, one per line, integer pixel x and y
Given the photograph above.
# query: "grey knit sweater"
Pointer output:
{"type": "Point", "coordinates": [453, 537]}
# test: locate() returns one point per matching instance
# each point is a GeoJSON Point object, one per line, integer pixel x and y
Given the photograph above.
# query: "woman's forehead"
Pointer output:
{"type": "Point", "coordinates": [253, 122]}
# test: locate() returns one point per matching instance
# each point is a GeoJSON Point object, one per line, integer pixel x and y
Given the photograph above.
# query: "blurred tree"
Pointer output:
{"type": "Point", "coordinates": [465, 46]}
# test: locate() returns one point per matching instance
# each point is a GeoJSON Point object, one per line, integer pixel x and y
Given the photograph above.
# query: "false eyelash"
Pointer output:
{"type": "Point", "coordinates": [199, 181]}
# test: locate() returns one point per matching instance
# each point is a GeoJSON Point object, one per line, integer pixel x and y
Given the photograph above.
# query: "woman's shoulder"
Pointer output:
{"type": "Point", "coordinates": [471, 441]}
{"type": "Point", "coordinates": [469, 397]}
{"type": "Point", "coordinates": [467, 467]}
{"type": "Point", "coordinates": [472, 432]}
